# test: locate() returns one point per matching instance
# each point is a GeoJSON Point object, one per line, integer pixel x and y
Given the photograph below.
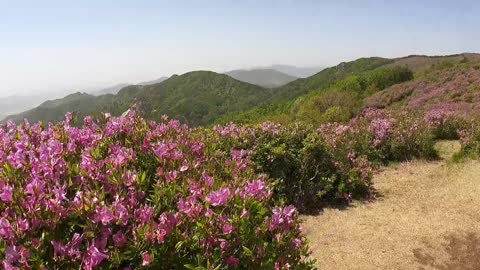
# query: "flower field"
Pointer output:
{"type": "Point", "coordinates": [125, 193]}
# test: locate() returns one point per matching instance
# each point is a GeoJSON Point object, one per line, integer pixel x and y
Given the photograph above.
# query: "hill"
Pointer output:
{"type": "Point", "coordinates": [336, 93]}
{"type": "Point", "coordinates": [299, 72]}
{"type": "Point", "coordinates": [159, 80]}
{"type": "Point", "coordinates": [268, 78]}
{"type": "Point", "coordinates": [447, 87]}
{"type": "Point", "coordinates": [310, 98]}
{"type": "Point", "coordinates": [196, 98]}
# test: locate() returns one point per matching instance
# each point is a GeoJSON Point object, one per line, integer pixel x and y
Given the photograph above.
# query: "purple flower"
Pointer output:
{"type": "Point", "coordinates": [232, 261]}
{"type": "Point", "coordinates": [227, 228]}
{"type": "Point", "coordinates": [7, 194]}
{"type": "Point", "coordinates": [146, 259]}
{"type": "Point", "coordinates": [282, 218]}
{"type": "Point", "coordinates": [220, 197]}
{"type": "Point", "coordinates": [94, 257]}
{"type": "Point", "coordinates": [104, 215]}
{"type": "Point", "coordinates": [257, 189]}
{"type": "Point", "coordinates": [6, 230]}
{"type": "Point", "coordinates": [119, 239]}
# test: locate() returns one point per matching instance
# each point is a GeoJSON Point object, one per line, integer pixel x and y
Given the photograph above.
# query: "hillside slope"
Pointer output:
{"type": "Point", "coordinates": [196, 98]}
{"type": "Point", "coordinates": [449, 87]}
{"type": "Point", "coordinates": [203, 97]}
{"type": "Point", "coordinates": [268, 78]}
{"type": "Point", "coordinates": [309, 95]}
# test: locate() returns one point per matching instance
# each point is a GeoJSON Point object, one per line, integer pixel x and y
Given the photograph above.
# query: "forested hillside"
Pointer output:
{"type": "Point", "coordinates": [204, 97]}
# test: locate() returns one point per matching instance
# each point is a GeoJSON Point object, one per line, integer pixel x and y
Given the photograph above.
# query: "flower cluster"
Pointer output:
{"type": "Point", "coordinates": [124, 193]}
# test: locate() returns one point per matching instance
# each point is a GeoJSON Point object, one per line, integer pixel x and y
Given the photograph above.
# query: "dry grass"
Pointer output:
{"type": "Point", "coordinates": [422, 207]}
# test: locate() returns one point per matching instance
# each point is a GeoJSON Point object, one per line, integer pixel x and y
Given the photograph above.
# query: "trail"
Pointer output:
{"type": "Point", "coordinates": [427, 217]}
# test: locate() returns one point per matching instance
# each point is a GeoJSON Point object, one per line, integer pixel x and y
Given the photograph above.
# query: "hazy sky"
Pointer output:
{"type": "Point", "coordinates": [75, 45]}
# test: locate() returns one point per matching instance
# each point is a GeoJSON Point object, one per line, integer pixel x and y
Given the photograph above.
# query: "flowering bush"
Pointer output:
{"type": "Point", "coordinates": [305, 167]}
{"type": "Point", "coordinates": [445, 122]}
{"type": "Point", "coordinates": [123, 193]}
{"type": "Point", "coordinates": [381, 137]}
{"type": "Point", "coordinates": [470, 139]}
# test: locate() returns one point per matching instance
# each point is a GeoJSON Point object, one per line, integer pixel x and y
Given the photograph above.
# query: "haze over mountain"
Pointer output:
{"type": "Point", "coordinates": [268, 78]}
{"type": "Point", "coordinates": [299, 72]}
{"type": "Point", "coordinates": [109, 90]}
{"type": "Point", "coordinates": [159, 80]}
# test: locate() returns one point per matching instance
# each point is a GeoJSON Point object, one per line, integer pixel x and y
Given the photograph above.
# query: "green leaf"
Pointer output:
{"type": "Point", "coordinates": [247, 252]}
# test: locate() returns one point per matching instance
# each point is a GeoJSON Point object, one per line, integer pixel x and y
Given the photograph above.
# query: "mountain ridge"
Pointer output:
{"type": "Point", "coordinates": [203, 97]}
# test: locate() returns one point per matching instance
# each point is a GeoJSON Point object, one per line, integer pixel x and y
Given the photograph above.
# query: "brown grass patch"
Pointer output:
{"type": "Point", "coordinates": [422, 203]}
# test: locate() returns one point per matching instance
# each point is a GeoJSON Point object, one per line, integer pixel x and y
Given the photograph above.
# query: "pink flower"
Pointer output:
{"type": "Point", "coordinates": [94, 257]}
{"type": "Point", "coordinates": [207, 179]}
{"type": "Point", "coordinates": [172, 176]}
{"type": "Point", "coordinates": [104, 215]}
{"type": "Point", "coordinates": [7, 194]}
{"type": "Point", "coordinates": [282, 218]}
{"type": "Point", "coordinates": [257, 189]}
{"type": "Point", "coordinates": [297, 243]}
{"type": "Point", "coordinates": [227, 228]}
{"type": "Point", "coordinates": [147, 259]}
{"type": "Point", "coordinates": [119, 239]}
{"type": "Point", "coordinates": [232, 261]}
{"type": "Point", "coordinates": [6, 230]}
{"type": "Point", "coordinates": [184, 167]}
{"type": "Point", "coordinates": [220, 197]}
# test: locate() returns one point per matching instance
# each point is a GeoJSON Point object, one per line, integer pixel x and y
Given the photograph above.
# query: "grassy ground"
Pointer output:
{"type": "Point", "coordinates": [427, 216]}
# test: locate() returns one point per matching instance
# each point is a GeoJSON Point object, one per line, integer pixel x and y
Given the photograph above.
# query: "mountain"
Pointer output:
{"type": "Point", "coordinates": [299, 72]}
{"type": "Point", "coordinates": [159, 80]}
{"type": "Point", "coordinates": [53, 110]}
{"type": "Point", "coordinates": [110, 90]}
{"type": "Point", "coordinates": [19, 103]}
{"type": "Point", "coordinates": [205, 97]}
{"type": "Point", "coordinates": [448, 87]}
{"type": "Point", "coordinates": [114, 89]}
{"type": "Point", "coordinates": [300, 97]}
{"type": "Point", "coordinates": [268, 78]}
{"type": "Point", "coordinates": [196, 98]}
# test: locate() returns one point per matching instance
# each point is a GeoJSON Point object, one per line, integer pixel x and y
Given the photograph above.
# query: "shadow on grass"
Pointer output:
{"type": "Point", "coordinates": [463, 254]}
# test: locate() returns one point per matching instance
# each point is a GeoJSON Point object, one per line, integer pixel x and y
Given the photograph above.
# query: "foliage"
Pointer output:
{"type": "Point", "coordinates": [470, 139]}
{"type": "Point", "coordinates": [344, 99]}
{"type": "Point", "coordinates": [195, 98]}
{"type": "Point", "coordinates": [305, 171]}
{"type": "Point", "coordinates": [123, 193]}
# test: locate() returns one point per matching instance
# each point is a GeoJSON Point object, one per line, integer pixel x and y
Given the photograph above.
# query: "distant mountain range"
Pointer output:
{"type": "Point", "coordinates": [269, 78]}
{"type": "Point", "coordinates": [205, 97]}
{"type": "Point", "coordinates": [196, 98]}
{"type": "Point", "coordinates": [299, 72]}
{"type": "Point", "coordinates": [19, 103]}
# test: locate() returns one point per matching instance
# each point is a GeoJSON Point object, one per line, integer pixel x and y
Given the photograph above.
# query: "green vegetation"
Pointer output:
{"type": "Point", "coordinates": [202, 98]}
{"type": "Point", "coordinates": [268, 78]}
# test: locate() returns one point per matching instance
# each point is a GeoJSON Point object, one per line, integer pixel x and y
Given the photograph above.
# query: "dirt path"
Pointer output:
{"type": "Point", "coordinates": [428, 217]}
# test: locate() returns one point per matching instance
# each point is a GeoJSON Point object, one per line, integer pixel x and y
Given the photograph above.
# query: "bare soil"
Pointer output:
{"type": "Point", "coordinates": [427, 216]}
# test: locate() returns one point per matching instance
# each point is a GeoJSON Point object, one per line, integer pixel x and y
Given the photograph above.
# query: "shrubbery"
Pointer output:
{"type": "Point", "coordinates": [335, 161]}
{"type": "Point", "coordinates": [126, 193]}
{"type": "Point", "coordinates": [122, 193]}
{"type": "Point", "coordinates": [470, 139]}
{"type": "Point", "coordinates": [305, 170]}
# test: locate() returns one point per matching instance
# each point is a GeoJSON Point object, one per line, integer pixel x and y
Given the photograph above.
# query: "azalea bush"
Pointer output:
{"type": "Point", "coordinates": [381, 137]}
{"type": "Point", "coordinates": [124, 193]}
{"type": "Point", "coordinates": [470, 139]}
{"type": "Point", "coordinates": [305, 168]}
{"type": "Point", "coordinates": [446, 123]}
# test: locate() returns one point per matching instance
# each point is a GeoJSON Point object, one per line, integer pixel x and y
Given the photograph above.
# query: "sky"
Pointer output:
{"type": "Point", "coordinates": [63, 46]}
